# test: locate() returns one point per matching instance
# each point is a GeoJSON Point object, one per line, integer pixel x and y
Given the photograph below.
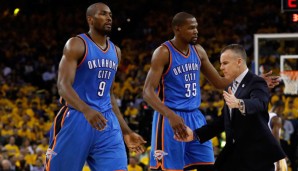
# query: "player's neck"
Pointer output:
{"type": "Point", "coordinates": [99, 39]}
{"type": "Point", "coordinates": [180, 45]}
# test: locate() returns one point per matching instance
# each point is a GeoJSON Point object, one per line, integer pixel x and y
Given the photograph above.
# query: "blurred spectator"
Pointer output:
{"type": "Point", "coordinates": [11, 147]}
{"type": "Point", "coordinates": [133, 164]}
{"type": "Point", "coordinates": [291, 112]}
{"type": "Point", "coordinates": [27, 146]}
{"type": "Point", "coordinates": [144, 159]}
{"type": "Point", "coordinates": [38, 166]}
{"type": "Point", "coordinates": [6, 165]}
{"type": "Point", "coordinates": [131, 114]}
{"type": "Point", "coordinates": [43, 146]}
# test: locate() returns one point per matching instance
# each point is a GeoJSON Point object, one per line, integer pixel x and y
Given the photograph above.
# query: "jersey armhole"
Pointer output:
{"type": "Point", "coordinates": [167, 66]}
{"type": "Point", "coordinates": [116, 53]}
{"type": "Point", "coordinates": [63, 101]}
{"type": "Point", "coordinates": [196, 51]}
{"type": "Point", "coordinates": [84, 54]}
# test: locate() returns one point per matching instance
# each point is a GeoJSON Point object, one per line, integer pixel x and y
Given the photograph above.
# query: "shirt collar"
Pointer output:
{"type": "Point", "coordinates": [241, 76]}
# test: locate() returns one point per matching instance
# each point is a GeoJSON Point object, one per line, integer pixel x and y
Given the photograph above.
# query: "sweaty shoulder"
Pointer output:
{"type": "Point", "coordinates": [201, 51]}
{"type": "Point", "coordinates": [74, 48]}
{"type": "Point", "coordinates": [163, 50]}
{"type": "Point", "coordinates": [161, 54]}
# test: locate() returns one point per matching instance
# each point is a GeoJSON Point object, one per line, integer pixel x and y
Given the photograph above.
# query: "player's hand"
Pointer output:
{"type": "Point", "coordinates": [134, 142]}
{"type": "Point", "coordinates": [230, 99]}
{"type": "Point", "coordinates": [189, 138]}
{"type": "Point", "coordinates": [96, 119]}
{"type": "Point", "coordinates": [178, 126]}
{"type": "Point", "coordinates": [272, 81]}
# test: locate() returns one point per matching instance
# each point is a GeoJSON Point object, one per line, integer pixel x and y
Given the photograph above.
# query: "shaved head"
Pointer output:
{"type": "Point", "coordinates": [99, 18]}
{"type": "Point", "coordinates": [180, 18]}
{"type": "Point", "coordinates": [91, 10]}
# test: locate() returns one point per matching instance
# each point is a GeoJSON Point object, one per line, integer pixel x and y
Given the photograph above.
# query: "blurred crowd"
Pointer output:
{"type": "Point", "coordinates": [31, 44]}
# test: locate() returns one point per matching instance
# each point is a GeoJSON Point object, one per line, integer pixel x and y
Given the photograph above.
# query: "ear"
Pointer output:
{"type": "Point", "coordinates": [90, 20]}
{"type": "Point", "coordinates": [176, 28]}
{"type": "Point", "coordinates": [240, 61]}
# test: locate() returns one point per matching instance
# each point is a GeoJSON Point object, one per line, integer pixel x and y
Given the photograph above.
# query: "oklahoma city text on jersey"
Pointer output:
{"type": "Point", "coordinates": [103, 63]}
{"type": "Point", "coordinates": [186, 68]}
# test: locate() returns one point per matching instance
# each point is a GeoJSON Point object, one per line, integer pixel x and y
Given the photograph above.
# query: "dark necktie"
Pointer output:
{"type": "Point", "coordinates": [234, 87]}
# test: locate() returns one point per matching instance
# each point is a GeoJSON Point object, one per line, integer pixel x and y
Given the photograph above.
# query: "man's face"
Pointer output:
{"type": "Point", "coordinates": [230, 64]}
{"type": "Point", "coordinates": [189, 31]}
{"type": "Point", "coordinates": [102, 20]}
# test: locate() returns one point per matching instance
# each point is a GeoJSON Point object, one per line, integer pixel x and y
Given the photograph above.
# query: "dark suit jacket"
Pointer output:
{"type": "Point", "coordinates": [250, 145]}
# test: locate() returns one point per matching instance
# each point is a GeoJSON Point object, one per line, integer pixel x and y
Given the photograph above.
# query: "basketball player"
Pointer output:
{"type": "Point", "coordinates": [175, 75]}
{"type": "Point", "coordinates": [87, 126]}
{"type": "Point", "coordinates": [275, 125]}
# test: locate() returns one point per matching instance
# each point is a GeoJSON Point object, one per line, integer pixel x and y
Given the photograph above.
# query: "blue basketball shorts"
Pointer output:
{"type": "Point", "coordinates": [73, 142]}
{"type": "Point", "coordinates": [169, 154]}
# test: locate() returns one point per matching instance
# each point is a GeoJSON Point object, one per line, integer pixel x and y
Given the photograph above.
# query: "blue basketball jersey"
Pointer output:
{"type": "Point", "coordinates": [180, 85]}
{"type": "Point", "coordinates": [95, 74]}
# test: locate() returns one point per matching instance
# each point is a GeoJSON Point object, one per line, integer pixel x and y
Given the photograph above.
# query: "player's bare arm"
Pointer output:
{"type": "Point", "coordinates": [72, 53]}
{"type": "Point", "coordinates": [209, 71]}
{"type": "Point", "coordinates": [221, 82]}
{"type": "Point", "coordinates": [133, 141]}
{"type": "Point", "coordinates": [160, 59]}
{"type": "Point", "coordinates": [276, 126]}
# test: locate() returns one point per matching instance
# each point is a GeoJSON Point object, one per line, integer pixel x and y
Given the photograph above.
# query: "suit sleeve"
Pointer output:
{"type": "Point", "coordinates": [210, 130]}
{"type": "Point", "coordinates": [259, 98]}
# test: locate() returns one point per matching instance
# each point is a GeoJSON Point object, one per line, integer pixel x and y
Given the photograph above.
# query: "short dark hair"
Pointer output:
{"type": "Point", "coordinates": [237, 49]}
{"type": "Point", "coordinates": [180, 18]}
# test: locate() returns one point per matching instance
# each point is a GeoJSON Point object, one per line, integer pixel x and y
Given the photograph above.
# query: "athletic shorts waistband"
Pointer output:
{"type": "Point", "coordinates": [182, 110]}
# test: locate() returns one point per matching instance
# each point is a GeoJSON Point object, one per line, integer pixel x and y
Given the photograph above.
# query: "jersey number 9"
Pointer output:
{"type": "Point", "coordinates": [101, 88]}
